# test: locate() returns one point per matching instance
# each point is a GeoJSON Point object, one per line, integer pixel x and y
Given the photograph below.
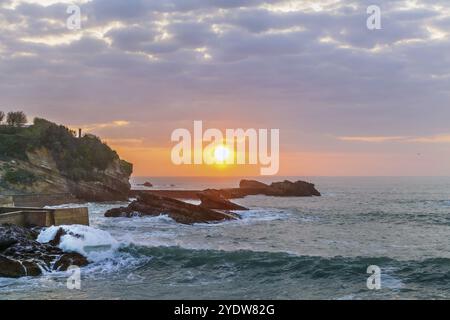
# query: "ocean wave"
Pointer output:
{"type": "Point", "coordinates": [268, 266]}
{"type": "Point", "coordinates": [93, 243]}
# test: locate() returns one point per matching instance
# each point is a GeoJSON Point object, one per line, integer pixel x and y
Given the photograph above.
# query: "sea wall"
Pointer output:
{"type": "Point", "coordinates": [26, 217]}
{"type": "Point", "coordinates": [6, 201]}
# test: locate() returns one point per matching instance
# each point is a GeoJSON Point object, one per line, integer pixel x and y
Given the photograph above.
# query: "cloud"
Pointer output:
{"type": "Point", "coordinates": [440, 138]}
{"type": "Point", "coordinates": [372, 139]}
{"type": "Point", "coordinates": [97, 126]}
{"type": "Point", "coordinates": [310, 68]}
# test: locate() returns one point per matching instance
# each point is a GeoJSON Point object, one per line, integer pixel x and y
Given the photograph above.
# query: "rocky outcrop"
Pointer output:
{"type": "Point", "coordinates": [112, 184]}
{"type": "Point", "coordinates": [252, 184]}
{"type": "Point", "coordinates": [147, 184]}
{"type": "Point", "coordinates": [48, 159]}
{"type": "Point", "coordinates": [21, 255]}
{"type": "Point", "coordinates": [213, 199]}
{"type": "Point", "coordinates": [247, 188]}
{"type": "Point", "coordinates": [294, 189]}
{"type": "Point", "coordinates": [277, 189]}
{"type": "Point", "coordinates": [181, 212]}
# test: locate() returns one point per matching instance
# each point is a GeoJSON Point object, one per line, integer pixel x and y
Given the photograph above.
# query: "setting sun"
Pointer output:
{"type": "Point", "coordinates": [222, 154]}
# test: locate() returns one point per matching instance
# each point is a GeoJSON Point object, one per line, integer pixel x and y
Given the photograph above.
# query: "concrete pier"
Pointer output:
{"type": "Point", "coordinates": [38, 217]}
{"type": "Point", "coordinates": [6, 201]}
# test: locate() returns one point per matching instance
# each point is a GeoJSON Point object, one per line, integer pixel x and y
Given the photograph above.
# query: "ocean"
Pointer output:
{"type": "Point", "coordinates": [283, 248]}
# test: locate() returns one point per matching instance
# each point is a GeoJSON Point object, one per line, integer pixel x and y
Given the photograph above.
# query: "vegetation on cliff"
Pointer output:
{"type": "Point", "coordinates": [77, 158]}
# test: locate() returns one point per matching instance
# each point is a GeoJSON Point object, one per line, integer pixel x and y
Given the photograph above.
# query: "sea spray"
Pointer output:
{"type": "Point", "coordinates": [93, 243]}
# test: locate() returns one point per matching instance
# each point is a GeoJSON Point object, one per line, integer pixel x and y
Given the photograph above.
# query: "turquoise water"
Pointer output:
{"type": "Point", "coordinates": [283, 248]}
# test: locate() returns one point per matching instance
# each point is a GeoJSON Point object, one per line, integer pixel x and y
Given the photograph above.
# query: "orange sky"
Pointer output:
{"type": "Point", "coordinates": [157, 162]}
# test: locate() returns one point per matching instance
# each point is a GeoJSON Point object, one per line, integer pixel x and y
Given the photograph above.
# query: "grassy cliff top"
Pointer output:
{"type": "Point", "coordinates": [76, 158]}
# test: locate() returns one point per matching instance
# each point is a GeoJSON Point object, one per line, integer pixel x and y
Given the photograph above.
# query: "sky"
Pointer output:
{"type": "Point", "coordinates": [348, 101]}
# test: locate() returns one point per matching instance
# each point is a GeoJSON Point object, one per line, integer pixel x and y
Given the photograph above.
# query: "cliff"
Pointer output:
{"type": "Point", "coordinates": [47, 158]}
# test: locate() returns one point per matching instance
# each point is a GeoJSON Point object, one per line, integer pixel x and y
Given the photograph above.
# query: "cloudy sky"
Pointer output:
{"type": "Point", "coordinates": [347, 100]}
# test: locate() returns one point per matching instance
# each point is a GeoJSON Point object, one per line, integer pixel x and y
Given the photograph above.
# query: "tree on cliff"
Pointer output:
{"type": "Point", "coordinates": [16, 119]}
{"type": "Point", "coordinates": [2, 116]}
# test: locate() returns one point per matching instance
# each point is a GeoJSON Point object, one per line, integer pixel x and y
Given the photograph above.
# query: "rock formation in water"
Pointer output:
{"type": "Point", "coordinates": [253, 184]}
{"type": "Point", "coordinates": [45, 158]}
{"type": "Point", "coordinates": [21, 255]}
{"type": "Point", "coordinates": [277, 189]}
{"type": "Point", "coordinates": [213, 199]}
{"type": "Point", "coordinates": [181, 212]}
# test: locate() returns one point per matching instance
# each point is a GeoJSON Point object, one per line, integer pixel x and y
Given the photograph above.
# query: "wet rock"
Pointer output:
{"type": "Point", "coordinates": [6, 242]}
{"type": "Point", "coordinates": [32, 268]}
{"type": "Point", "coordinates": [10, 268]}
{"type": "Point", "coordinates": [21, 255]}
{"type": "Point", "coordinates": [70, 259]}
{"type": "Point", "coordinates": [147, 184]}
{"type": "Point", "coordinates": [57, 239]}
{"type": "Point", "coordinates": [213, 199]}
{"type": "Point", "coordinates": [181, 212]}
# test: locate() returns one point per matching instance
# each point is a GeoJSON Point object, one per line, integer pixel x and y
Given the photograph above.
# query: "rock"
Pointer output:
{"type": "Point", "coordinates": [27, 257]}
{"type": "Point", "coordinates": [6, 242]}
{"type": "Point", "coordinates": [70, 259]}
{"type": "Point", "coordinates": [32, 268]}
{"type": "Point", "coordinates": [276, 189]}
{"type": "Point", "coordinates": [10, 268]}
{"type": "Point", "coordinates": [53, 161]}
{"type": "Point", "coordinates": [294, 189]}
{"type": "Point", "coordinates": [252, 184]}
{"type": "Point", "coordinates": [181, 212]}
{"type": "Point", "coordinates": [57, 239]}
{"type": "Point", "coordinates": [213, 199]}
{"type": "Point", "coordinates": [147, 184]}
{"type": "Point", "coordinates": [122, 212]}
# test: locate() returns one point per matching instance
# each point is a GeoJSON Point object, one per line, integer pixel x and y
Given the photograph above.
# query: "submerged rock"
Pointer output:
{"type": "Point", "coordinates": [181, 212]}
{"type": "Point", "coordinates": [22, 255]}
{"type": "Point", "coordinates": [213, 199]}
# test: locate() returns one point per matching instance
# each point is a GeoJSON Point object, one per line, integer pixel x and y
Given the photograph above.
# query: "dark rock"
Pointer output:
{"type": "Point", "coordinates": [276, 189]}
{"type": "Point", "coordinates": [32, 268]}
{"type": "Point", "coordinates": [10, 268]}
{"type": "Point", "coordinates": [122, 212]}
{"type": "Point", "coordinates": [147, 184]}
{"type": "Point", "coordinates": [294, 189]}
{"type": "Point", "coordinates": [252, 184]}
{"type": "Point", "coordinates": [6, 242]}
{"type": "Point", "coordinates": [181, 212]}
{"type": "Point", "coordinates": [70, 259]}
{"type": "Point", "coordinates": [27, 257]}
{"type": "Point", "coordinates": [213, 199]}
{"type": "Point", "coordinates": [57, 239]}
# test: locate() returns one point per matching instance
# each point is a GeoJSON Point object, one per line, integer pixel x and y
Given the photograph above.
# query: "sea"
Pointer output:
{"type": "Point", "coordinates": [282, 248]}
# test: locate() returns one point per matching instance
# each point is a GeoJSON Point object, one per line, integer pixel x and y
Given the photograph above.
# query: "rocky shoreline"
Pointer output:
{"type": "Point", "coordinates": [181, 212]}
{"type": "Point", "coordinates": [215, 205]}
{"type": "Point", "coordinates": [22, 255]}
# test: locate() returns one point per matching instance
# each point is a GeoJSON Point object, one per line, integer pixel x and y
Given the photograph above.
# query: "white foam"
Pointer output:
{"type": "Point", "coordinates": [93, 243]}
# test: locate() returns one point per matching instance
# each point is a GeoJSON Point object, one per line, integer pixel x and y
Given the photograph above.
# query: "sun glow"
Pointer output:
{"type": "Point", "coordinates": [222, 154]}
